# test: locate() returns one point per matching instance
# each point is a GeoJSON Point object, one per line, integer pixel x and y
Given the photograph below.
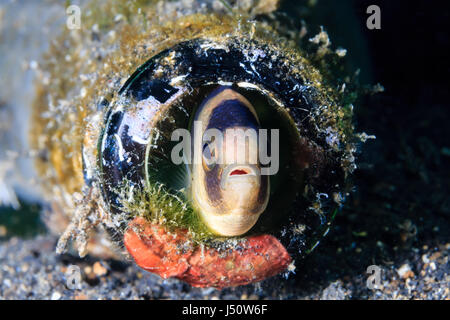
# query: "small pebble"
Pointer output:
{"type": "Point", "coordinates": [405, 271]}
{"type": "Point", "coordinates": [56, 296]}
{"type": "Point", "coordinates": [3, 231]}
{"type": "Point", "coordinates": [99, 270]}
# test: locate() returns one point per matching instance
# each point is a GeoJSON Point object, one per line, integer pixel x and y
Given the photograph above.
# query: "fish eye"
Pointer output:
{"type": "Point", "coordinates": [209, 159]}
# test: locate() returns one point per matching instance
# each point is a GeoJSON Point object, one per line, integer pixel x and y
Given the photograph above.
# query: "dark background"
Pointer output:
{"type": "Point", "coordinates": [401, 204]}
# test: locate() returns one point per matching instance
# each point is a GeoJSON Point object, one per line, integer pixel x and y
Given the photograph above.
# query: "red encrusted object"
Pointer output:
{"type": "Point", "coordinates": [156, 250]}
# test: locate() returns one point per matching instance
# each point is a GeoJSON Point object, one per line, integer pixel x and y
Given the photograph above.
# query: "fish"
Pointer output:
{"type": "Point", "coordinates": [228, 188]}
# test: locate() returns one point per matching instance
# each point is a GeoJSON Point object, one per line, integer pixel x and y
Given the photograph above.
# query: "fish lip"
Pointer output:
{"type": "Point", "coordinates": [248, 168]}
{"type": "Point", "coordinates": [251, 171]}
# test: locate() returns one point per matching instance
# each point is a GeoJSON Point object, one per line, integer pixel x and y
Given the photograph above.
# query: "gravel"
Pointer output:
{"type": "Point", "coordinates": [29, 269]}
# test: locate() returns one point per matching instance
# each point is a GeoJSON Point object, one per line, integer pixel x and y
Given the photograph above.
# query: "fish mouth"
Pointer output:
{"type": "Point", "coordinates": [239, 172]}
